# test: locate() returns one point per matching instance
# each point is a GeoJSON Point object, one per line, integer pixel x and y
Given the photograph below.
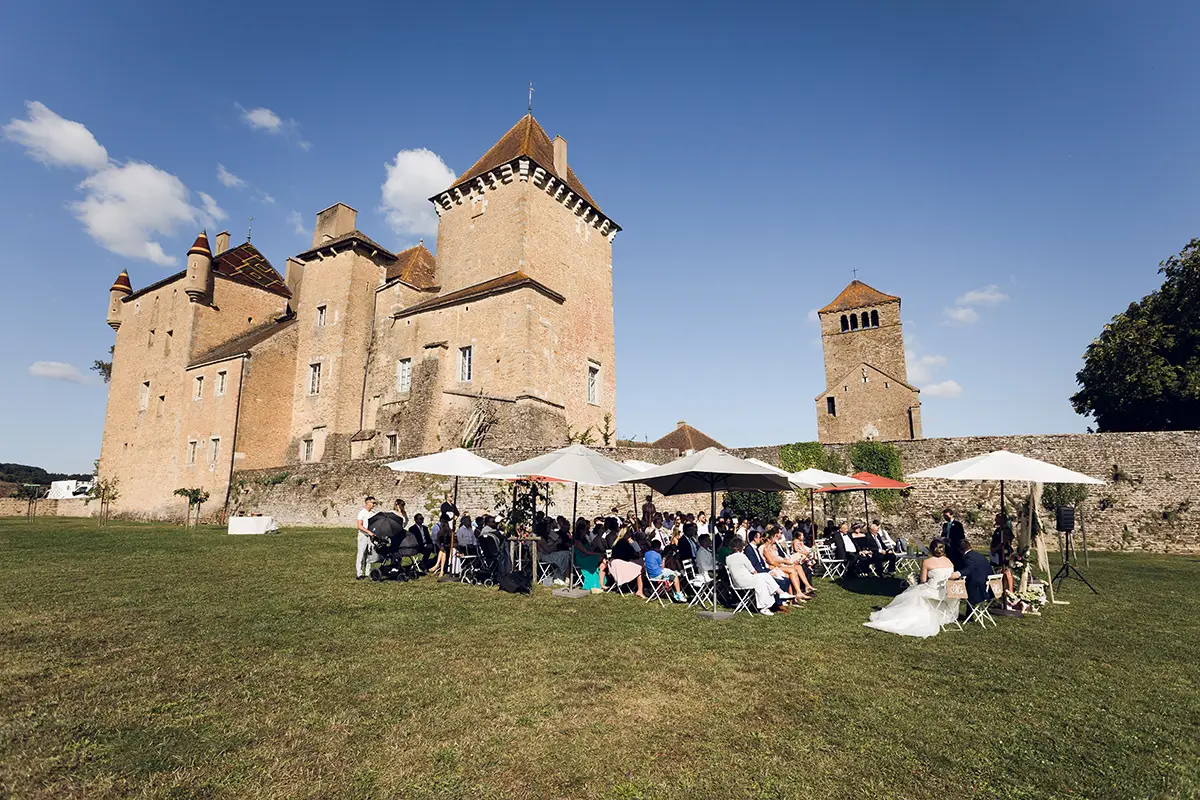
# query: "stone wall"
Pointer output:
{"type": "Point", "coordinates": [1151, 500]}
{"type": "Point", "coordinates": [74, 507]}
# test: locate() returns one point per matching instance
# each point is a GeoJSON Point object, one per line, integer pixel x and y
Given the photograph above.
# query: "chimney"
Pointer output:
{"type": "Point", "coordinates": [335, 221]}
{"type": "Point", "coordinates": [560, 156]}
{"type": "Point", "coordinates": [222, 243]}
{"type": "Point", "coordinates": [293, 275]}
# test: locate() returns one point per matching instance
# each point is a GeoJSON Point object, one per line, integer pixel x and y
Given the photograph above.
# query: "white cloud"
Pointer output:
{"type": "Point", "coordinates": [989, 295]}
{"type": "Point", "coordinates": [297, 223]}
{"type": "Point", "coordinates": [228, 179]}
{"type": "Point", "coordinates": [127, 206]}
{"type": "Point", "coordinates": [961, 315]}
{"type": "Point", "coordinates": [266, 198]}
{"type": "Point", "coordinates": [56, 371]}
{"type": "Point", "coordinates": [921, 367]}
{"type": "Point", "coordinates": [412, 178]}
{"type": "Point", "coordinates": [211, 210]}
{"type": "Point", "coordinates": [263, 119]}
{"type": "Point", "coordinates": [943, 389]}
{"type": "Point", "coordinates": [50, 139]}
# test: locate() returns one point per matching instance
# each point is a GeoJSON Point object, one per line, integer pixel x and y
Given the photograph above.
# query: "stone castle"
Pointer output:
{"type": "Point", "coordinates": [356, 352]}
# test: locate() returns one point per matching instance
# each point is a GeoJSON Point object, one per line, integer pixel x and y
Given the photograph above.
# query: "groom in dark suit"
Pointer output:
{"type": "Point", "coordinates": [974, 571]}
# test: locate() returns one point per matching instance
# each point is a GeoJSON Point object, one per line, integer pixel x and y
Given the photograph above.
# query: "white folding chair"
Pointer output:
{"type": "Point", "coordinates": [660, 587]}
{"type": "Point", "coordinates": [744, 599]}
{"type": "Point", "coordinates": [832, 567]}
{"type": "Point", "coordinates": [980, 611]}
{"type": "Point", "coordinates": [703, 586]}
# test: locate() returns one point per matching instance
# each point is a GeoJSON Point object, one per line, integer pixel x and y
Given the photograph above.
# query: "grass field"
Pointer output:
{"type": "Point", "coordinates": [149, 661]}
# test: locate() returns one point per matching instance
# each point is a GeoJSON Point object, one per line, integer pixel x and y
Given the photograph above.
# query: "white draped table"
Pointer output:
{"type": "Point", "coordinates": [252, 525]}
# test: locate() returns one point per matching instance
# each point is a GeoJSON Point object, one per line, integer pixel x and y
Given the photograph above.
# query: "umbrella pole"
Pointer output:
{"type": "Point", "coordinates": [712, 507]}
{"type": "Point", "coordinates": [866, 511]}
{"type": "Point", "coordinates": [1003, 515]}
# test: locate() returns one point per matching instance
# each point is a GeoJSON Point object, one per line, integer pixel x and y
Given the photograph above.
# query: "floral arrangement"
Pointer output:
{"type": "Point", "coordinates": [1031, 600]}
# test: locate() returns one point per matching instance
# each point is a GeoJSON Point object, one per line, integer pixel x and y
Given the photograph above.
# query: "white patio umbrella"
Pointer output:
{"type": "Point", "coordinates": [707, 471]}
{"type": "Point", "coordinates": [456, 463]}
{"type": "Point", "coordinates": [813, 478]}
{"type": "Point", "coordinates": [638, 466]}
{"type": "Point", "coordinates": [572, 464]}
{"type": "Point", "coordinates": [1002, 466]}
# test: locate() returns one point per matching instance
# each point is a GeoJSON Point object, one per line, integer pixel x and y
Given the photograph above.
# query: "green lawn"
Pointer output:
{"type": "Point", "coordinates": [146, 661]}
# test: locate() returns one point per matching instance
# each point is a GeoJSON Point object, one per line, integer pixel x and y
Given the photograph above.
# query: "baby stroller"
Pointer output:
{"type": "Point", "coordinates": [484, 566]}
{"type": "Point", "coordinates": [400, 551]}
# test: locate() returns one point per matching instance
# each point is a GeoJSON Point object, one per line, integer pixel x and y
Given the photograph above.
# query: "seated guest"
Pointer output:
{"type": "Point", "coordinates": [789, 530]}
{"type": "Point", "coordinates": [539, 523]}
{"type": "Point", "coordinates": [464, 537]}
{"type": "Point", "coordinates": [612, 532]}
{"type": "Point", "coordinates": [656, 571]}
{"type": "Point", "coordinates": [778, 558]}
{"type": "Point", "coordinates": [974, 571]}
{"type": "Point", "coordinates": [884, 557]}
{"type": "Point", "coordinates": [554, 549]}
{"type": "Point", "coordinates": [424, 539]}
{"type": "Point", "coordinates": [706, 564]}
{"type": "Point", "coordinates": [588, 552]}
{"type": "Point", "coordinates": [805, 556]}
{"type": "Point", "coordinates": [688, 542]}
{"type": "Point", "coordinates": [729, 544]}
{"type": "Point", "coordinates": [753, 552]}
{"type": "Point", "coordinates": [625, 565]}
{"type": "Point", "coordinates": [742, 575]}
{"type": "Point", "coordinates": [831, 531]}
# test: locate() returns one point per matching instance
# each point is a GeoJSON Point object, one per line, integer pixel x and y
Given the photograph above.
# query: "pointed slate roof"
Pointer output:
{"type": "Point", "coordinates": [201, 245]}
{"type": "Point", "coordinates": [857, 295]}
{"type": "Point", "coordinates": [415, 266]}
{"type": "Point", "coordinates": [685, 437]}
{"type": "Point", "coordinates": [526, 138]}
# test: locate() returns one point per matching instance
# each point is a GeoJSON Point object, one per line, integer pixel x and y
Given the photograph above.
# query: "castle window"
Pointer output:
{"type": "Point", "coordinates": [464, 364]}
{"type": "Point", "coordinates": [162, 404]}
{"type": "Point", "coordinates": [144, 397]}
{"type": "Point", "coordinates": [321, 316]}
{"type": "Point", "coordinates": [314, 378]}
{"type": "Point", "coordinates": [199, 391]}
{"type": "Point", "coordinates": [214, 449]}
{"type": "Point", "coordinates": [191, 453]}
{"type": "Point", "coordinates": [831, 406]}
{"type": "Point", "coordinates": [866, 320]}
{"type": "Point", "coordinates": [478, 205]}
{"type": "Point", "coordinates": [393, 444]}
{"type": "Point", "coordinates": [150, 341]}
{"type": "Point", "coordinates": [874, 319]}
{"type": "Point", "coordinates": [854, 322]}
{"type": "Point", "coordinates": [404, 375]}
{"type": "Point", "coordinates": [593, 383]}
{"type": "Point", "coordinates": [306, 450]}
{"type": "Point", "coordinates": [845, 324]}
{"type": "Point", "coordinates": [222, 379]}
{"type": "Point", "coordinates": [864, 375]}
{"type": "Point", "coordinates": [167, 343]}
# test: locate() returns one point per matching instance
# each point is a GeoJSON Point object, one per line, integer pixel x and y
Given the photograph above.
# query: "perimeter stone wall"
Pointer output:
{"type": "Point", "coordinates": [1151, 500]}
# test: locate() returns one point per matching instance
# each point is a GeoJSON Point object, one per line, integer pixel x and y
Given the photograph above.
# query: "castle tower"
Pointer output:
{"type": "Point", "coordinates": [199, 270]}
{"type": "Point", "coordinates": [867, 394]}
{"type": "Point", "coordinates": [121, 289]}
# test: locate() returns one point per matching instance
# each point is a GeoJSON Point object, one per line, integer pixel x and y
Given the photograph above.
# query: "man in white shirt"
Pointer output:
{"type": "Point", "coordinates": [743, 576]}
{"type": "Point", "coordinates": [366, 555]}
{"type": "Point", "coordinates": [706, 563]}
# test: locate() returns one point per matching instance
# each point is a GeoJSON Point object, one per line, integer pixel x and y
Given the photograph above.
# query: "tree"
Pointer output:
{"type": "Point", "coordinates": [755, 505]}
{"type": "Point", "coordinates": [104, 368]}
{"type": "Point", "coordinates": [107, 491]}
{"type": "Point", "coordinates": [879, 458]}
{"type": "Point", "coordinates": [196, 497]}
{"type": "Point", "coordinates": [1143, 372]}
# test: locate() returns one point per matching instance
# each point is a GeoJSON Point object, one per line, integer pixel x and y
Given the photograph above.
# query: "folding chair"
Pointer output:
{"type": "Point", "coordinates": [832, 567]}
{"type": "Point", "coordinates": [660, 587]}
{"type": "Point", "coordinates": [703, 586]}
{"type": "Point", "coordinates": [980, 611]}
{"type": "Point", "coordinates": [546, 571]}
{"type": "Point", "coordinates": [744, 599]}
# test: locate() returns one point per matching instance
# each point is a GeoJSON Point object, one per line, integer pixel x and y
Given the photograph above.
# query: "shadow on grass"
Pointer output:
{"type": "Point", "coordinates": [875, 586]}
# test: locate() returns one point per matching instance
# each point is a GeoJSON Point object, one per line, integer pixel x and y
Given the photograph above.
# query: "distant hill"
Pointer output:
{"type": "Point", "coordinates": [23, 473]}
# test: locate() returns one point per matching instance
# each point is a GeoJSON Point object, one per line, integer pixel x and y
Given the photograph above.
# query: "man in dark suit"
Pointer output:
{"type": "Point", "coordinates": [688, 546]}
{"type": "Point", "coordinates": [854, 554]}
{"type": "Point", "coordinates": [882, 556]}
{"type": "Point", "coordinates": [974, 571]}
{"type": "Point", "coordinates": [953, 535]}
{"type": "Point", "coordinates": [759, 565]}
{"type": "Point", "coordinates": [421, 531]}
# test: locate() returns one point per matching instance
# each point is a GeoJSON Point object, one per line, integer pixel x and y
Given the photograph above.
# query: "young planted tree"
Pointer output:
{"type": "Point", "coordinates": [106, 491]}
{"type": "Point", "coordinates": [196, 498]}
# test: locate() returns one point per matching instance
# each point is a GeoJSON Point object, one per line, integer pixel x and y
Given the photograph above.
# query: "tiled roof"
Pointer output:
{"type": "Point", "coordinates": [245, 264]}
{"type": "Point", "coordinates": [526, 138]}
{"type": "Point", "coordinates": [685, 437]}
{"type": "Point", "coordinates": [353, 236]}
{"type": "Point", "coordinates": [243, 344]}
{"type": "Point", "coordinates": [857, 295]}
{"type": "Point", "coordinates": [505, 283]}
{"type": "Point", "coordinates": [415, 266]}
{"type": "Point", "coordinates": [200, 245]}
{"type": "Point", "coordinates": [122, 283]}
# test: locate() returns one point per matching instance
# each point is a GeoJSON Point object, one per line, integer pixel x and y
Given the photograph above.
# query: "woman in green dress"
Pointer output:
{"type": "Point", "coordinates": [588, 560]}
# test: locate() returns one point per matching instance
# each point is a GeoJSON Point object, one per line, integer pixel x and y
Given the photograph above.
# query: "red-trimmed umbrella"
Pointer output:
{"type": "Point", "coordinates": [869, 481]}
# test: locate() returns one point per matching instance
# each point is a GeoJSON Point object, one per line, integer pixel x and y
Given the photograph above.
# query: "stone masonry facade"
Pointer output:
{"type": "Point", "coordinates": [505, 337]}
{"type": "Point", "coordinates": [1149, 502]}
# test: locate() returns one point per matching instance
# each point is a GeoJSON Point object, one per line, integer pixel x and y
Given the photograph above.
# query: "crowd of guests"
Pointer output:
{"type": "Point", "coordinates": [673, 554]}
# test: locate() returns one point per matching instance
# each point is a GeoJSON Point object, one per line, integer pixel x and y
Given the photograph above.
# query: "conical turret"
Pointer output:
{"type": "Point", "coordinates": [199, 270]}
{"type": "Point", "coordinates": [121, 289]}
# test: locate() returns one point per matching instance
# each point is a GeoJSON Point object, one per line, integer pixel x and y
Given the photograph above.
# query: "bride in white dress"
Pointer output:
{"type": "Point", "coordinates": [921, 609]}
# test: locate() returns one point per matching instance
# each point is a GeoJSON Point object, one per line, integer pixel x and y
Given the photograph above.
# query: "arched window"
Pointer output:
{"type": "Point", "coordinates": [845, 324]}
{"type": "Point", "coordinates": [866, 320]}
{"type": "Point", "coordinates": [854, 322]}
{"type": "Point", "coordinates": [874, 319]}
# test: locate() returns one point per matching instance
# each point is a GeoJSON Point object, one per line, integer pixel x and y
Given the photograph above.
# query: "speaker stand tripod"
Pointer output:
{"type": "Point", "coordinates": [1068, 567]}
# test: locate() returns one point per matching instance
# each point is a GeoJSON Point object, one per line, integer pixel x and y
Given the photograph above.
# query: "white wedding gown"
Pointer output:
{"type": "Point", "coordinates": [919, 610]}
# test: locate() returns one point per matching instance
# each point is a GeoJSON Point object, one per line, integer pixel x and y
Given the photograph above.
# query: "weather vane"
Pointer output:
{"type": "Point", "coordinates": [855, 273]}
{"type": "Point", "coordinates": [249, 227]}
{"type": "Point", "coordinates": [531, 97]}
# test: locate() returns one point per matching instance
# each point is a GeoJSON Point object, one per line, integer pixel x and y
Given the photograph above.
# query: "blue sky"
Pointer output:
{"type": "Point", "coordinates": [1014, 171]}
